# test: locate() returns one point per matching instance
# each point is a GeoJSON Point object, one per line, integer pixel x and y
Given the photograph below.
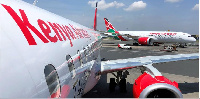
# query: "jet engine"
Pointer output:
{"type": "Point", "coordinates": [145, 41]}
{"type": "Point", "coordinates": [148, 86]}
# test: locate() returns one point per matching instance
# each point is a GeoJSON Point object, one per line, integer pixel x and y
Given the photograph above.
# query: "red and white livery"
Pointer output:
{"type": "Point", "coordinates": [44, 55]}
{"type": "Point", "coordinates": [151, 37]}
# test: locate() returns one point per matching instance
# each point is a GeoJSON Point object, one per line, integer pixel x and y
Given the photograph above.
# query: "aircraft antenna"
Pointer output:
{"type": "Point", "coordinates": [35, 1]}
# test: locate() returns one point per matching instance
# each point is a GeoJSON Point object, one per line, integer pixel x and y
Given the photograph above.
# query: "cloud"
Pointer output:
{"type": "Point", "coordinates": [102, 5]}
{"type": "Point", "coordinates": [97, 15]}
{"type": "Point", "coordinates": [118, 5]}
{"type": "Point", "coordinates": [196, 7]}
{"type": "Point", "coordinates": [172, 1]}
{"type": "Point", "coordinates": [139, 5]}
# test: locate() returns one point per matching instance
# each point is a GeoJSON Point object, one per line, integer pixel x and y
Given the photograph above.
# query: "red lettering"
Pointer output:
{"type": "Point", "coordinates": [164, 33]}
{"type": "Point", "coordinates": [61, 31]}
{"type": "Point", "coordinates": [174, 33]}
{"type": "Point", "coordinates": [46, 30]}
{"type": "Point", "coordinates": [85, 33]}
{"type": "Point", "coordinates": [70, 32]}
{"type": "Point", "coordinates": [76, 32]}
{"type": "Point", "coordinates": [66, 33]}
{"type": "Point", "coordinates": [80, 33]}
{"type": "Point", "coordinates": [24, 25]}
{"type": "Point", "coordinates": [167, 33]}
{"type": "Point", "coordinates": [55, 28]}
{"type": "Point", "coordinates": [153, 33]}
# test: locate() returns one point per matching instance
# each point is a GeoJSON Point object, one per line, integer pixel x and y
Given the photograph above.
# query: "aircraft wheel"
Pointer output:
{"type": "Point", "coordinates": [136, 44]}
{"type": "Point", "coordinates": [112, 85]}
{"type": "Point", "coordinates": [150, 42]}
{"type": "Point", "coordinates": [155, 44]}
{"type": "Point", "coordinates": [122, 86]}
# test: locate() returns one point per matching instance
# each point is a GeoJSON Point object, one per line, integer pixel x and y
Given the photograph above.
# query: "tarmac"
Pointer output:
{"type": "Point", "coordinates": [185, 73]}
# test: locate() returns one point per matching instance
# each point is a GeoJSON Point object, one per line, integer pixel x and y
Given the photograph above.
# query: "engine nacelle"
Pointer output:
{"type": "Point", "coordinates": [145, 41]}
{"type": "Point", "coordinates": [146, 86]}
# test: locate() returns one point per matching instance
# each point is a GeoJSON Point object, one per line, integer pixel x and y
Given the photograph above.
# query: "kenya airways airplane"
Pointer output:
{"type": "Point", "coordinates": [149, 37]}
{"type": "Point", "coordinates": [45, 55]}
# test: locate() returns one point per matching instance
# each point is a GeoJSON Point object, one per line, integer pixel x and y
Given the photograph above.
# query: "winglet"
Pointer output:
{"type": "Point", "coordinates": [95, 18]}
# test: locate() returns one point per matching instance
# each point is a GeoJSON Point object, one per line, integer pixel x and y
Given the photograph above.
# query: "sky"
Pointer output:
{"type": "Point", "coordinates": [130, 15]}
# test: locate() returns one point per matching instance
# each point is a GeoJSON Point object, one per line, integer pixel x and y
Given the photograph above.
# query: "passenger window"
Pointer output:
{"type": "Point", "coordinates": [52, 81]}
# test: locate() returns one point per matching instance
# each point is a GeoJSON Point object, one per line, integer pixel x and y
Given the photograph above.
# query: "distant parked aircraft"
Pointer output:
{"type": "Point", "coordinates": [149, 37]}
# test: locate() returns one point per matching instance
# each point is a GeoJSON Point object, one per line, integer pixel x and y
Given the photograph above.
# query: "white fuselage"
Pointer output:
{"type": "Point", "coordinates": [161, 36]}
{"type": "Point", "coordinates": [32, 38]}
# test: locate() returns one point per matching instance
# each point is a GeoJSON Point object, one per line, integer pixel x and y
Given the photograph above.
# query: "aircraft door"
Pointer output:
{"type": "Point", "coordinates": [52, 81]}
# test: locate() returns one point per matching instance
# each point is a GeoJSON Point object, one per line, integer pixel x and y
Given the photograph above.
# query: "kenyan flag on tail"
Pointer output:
{"type": "Point", "coordinates": [116, 35]}
{"type": "Point", "coordinates": [108, 24]}
{"type": "Point", "coordinates": [112, 30]}
{"type": "Point", "coordinates": [113, 34]}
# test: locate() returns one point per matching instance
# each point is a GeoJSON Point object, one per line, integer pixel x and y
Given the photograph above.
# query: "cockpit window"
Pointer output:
{"type": "Point", "coordinates": [189, 36]}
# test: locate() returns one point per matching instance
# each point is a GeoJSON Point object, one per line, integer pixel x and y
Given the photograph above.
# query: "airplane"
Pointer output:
{"type": "Point", "coordinates": [149, 37]}
{"type": "Point", "coordinates": [43, 55]}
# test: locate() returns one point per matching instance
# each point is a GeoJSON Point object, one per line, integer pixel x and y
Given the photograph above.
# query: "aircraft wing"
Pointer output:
{"type": "Point", "coordinates": [123, 37]}
{"type": "Point", "coordinates": [151, 80]}
{"type": "Point", "coordinates": [123, 64]}
{"type": "Point", "coordinates": [106, 34]}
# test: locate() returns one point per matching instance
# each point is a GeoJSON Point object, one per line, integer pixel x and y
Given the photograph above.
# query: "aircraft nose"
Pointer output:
{"type": "Point", "coordinates": [193, 39]}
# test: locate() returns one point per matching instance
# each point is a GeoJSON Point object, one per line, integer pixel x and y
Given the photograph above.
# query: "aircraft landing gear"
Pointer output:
{"type": "Point", "coordinates": [112, 85]}
{"type": "Point", "coordinates": [135, 44]}
{"type": "Point", "coordinates": [122, 85]}
{"type": "Point", "coordinates": [120, 81]}
{"type": "Point", "coordinates": [182, 45]}
{"type": "Point", "coordinates": [155, 44]}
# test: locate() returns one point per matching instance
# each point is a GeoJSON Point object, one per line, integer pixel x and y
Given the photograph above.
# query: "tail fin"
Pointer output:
{"type": "Point", "coordinates": [108, 25]}
{"type": "Point", "coordinates": [95, 18]}
{"type": "Point", "coordinates": [112, 30]}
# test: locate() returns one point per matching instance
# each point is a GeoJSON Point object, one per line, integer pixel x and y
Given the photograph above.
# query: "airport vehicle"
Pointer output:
{"type": "Point", "coordinates": [149, 37]}
{"type": "Point", "coordinates": [124, 46]}
{"type": "Point", "coordinates": [44, 55]}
